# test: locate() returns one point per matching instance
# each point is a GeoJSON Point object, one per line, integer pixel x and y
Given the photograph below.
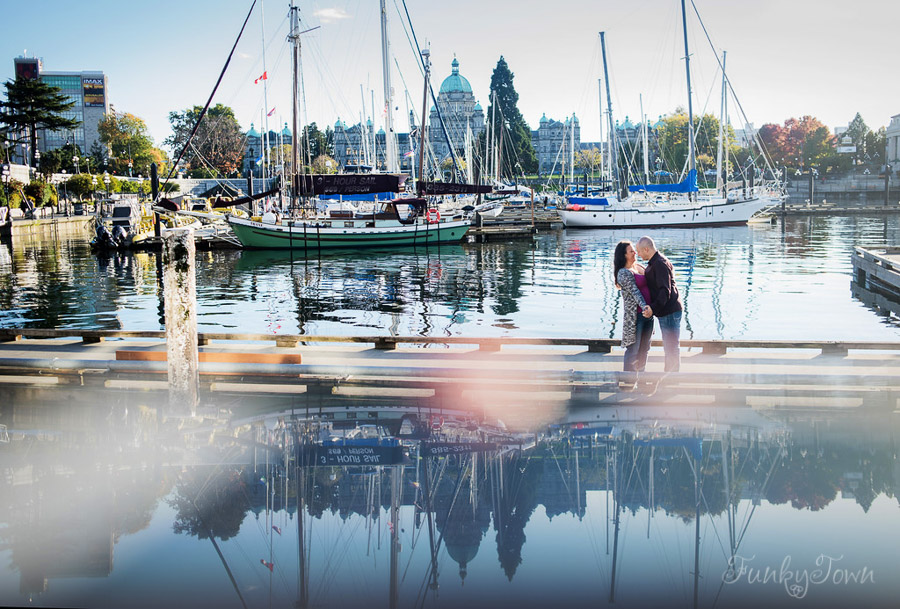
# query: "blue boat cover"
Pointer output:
{"type": "Point", "coordinates": [693, 445]}
{"type": "Point", "coordinates": [588, 201]}
{"type": "Point", "coordinates": [689, 184]}
{"type": "Point", "coordinates": [373, 196]}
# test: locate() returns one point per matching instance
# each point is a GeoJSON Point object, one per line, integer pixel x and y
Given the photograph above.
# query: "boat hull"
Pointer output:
{"type": "Point", "coordinates": [619, 215]}
{"type": "Point", "coordinates": [307, 235]}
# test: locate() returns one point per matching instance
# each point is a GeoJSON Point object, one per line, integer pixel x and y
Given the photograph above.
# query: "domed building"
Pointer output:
{"type": "Point", "coordinates": [459, 110]}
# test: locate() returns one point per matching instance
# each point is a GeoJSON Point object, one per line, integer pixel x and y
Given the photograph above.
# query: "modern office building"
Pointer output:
{"type": "Point", "coordinates": [87, 90]}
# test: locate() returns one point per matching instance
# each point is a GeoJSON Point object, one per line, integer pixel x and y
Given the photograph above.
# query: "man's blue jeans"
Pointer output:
{"type": "Point", "coordinates": [670, 328]}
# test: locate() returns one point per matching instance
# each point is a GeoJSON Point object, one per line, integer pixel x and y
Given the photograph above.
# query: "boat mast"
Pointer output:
{"type": "Point", "coordinates": [692, 162]}
{"type": "Point", "coordinates": [600, 106]}
{"type": "Point", "coordinates": [572, 150]}
{"type": "Point", "coordinates": [613, 162]}
{"type": "Point", "coordinates": [294, 37]}
{"type": "Point", "coordinates": [390, 150]}
{"type": "Point", "coordinates": [719, 149]}
{"type": "Point", "coordinates": [426, 64]}
{"type": "Point", "coordinates": [265, 138]}
{"type": "Point", "coordinates": [645, 142]}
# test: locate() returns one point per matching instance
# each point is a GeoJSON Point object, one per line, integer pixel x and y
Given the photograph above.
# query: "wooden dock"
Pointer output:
{"type": "Point", "coordinates": [503, 376]}
{"type": "Point", "coordinates": [878, 270]}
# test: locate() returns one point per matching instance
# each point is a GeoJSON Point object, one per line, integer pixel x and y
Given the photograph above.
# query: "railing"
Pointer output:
{"type": "Point", "coordinates": [593, 345]}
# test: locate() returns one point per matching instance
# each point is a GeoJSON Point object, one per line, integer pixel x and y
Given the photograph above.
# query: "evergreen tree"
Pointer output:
{"type": "Point", "coordinates": [517, 147]}
{"type": "Point", "coordinates": [31, 105]}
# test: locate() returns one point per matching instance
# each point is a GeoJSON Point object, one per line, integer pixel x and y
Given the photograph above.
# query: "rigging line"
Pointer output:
{"type": "Point", "coordinates": [433, 98]}
{"type": "Point", "coordinates": [211, 95]}
{"type": "Point", "coordinates": [737, 101]}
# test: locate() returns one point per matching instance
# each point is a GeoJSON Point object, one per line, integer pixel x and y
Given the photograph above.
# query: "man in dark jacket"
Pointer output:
{"type": "Point", "coordinates": [665, 301]}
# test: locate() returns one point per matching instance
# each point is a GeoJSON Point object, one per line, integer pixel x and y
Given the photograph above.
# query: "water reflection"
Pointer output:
{"type": "Point", "coordinates": [738, 282]}
{"type": "Point", "coordinates": [113, 505]}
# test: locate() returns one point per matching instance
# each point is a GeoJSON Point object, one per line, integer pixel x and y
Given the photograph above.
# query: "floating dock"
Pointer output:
{"type": "Point", "coordinates": [505, 376]}
{"type": "Point", "coordinates": [878, 270]}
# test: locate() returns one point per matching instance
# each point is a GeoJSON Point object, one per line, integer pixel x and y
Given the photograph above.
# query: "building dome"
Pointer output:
{"type": "Point", "coordinates": [455, 82]}
{"type": "Point", "coordinates": [253, 132]}
{"type": "Point", "coordinates": [285, 131]}
{"type": "Point", "coordinates": [477, 107]}
{"type": "Point", "coordinates": [544, 119]}
{"type": "Point", "coordinates": [337, 125]}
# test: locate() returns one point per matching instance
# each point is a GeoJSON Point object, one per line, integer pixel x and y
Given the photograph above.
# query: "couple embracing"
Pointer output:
{"type": "Point", "coordinates": [647, 292]}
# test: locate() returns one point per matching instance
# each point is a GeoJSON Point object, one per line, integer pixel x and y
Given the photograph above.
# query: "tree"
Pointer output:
{"type": "Point", "coordinates": [324, 164]}
{"type": "Point", "coordinates": [673, 139]}
{"type": "Point", "coordinates": [219, 141]}
{"type": "Point", "coordinates": [319, 142]}
{"type": "Point", "coordinates": [517, 148]}
{"type": "Point", "coordinates": [800, 142]}
{"type": "Point", "coordinates": [33, 104]}
{"type": "Point", "coordinates": [588, 159]}
{"type": "Point", "coordinates": [126, 137]}
{"type": "Point", "coordinates": [54, 161]}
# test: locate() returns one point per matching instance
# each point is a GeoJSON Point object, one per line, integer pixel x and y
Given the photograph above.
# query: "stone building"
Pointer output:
{"type": "Point", "coordinates": [552, 142]}
{"type": "Point", "coordinates": [892, 136]}
{"type": "Point", "coordinates": [460, 112]}
{"type": "Point", "coordinates": [253, 149]}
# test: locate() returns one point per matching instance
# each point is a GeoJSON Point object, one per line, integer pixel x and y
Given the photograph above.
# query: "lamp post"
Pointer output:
{"type": "Point", "coordinates": [93, 188]}
{"type": "Point", "coordinates": [75, 160]}
{"type": "Point", "coordinates": [65, 181]}
{"type": "Point", "coordinates": [6, 145]}
{"type": "Point", "coordinates": [140, 186]}
{"type": "Point", "coordinates": [130, 165]}
{"type": "Point", "coordinates": [5, 175]}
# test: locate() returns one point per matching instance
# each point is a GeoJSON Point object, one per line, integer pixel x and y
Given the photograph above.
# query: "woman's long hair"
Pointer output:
{"type": "Point", "coordinates": [619, 260]}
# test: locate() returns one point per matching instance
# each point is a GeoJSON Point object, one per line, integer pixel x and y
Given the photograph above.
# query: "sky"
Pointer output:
{"type": "Point", "coordinates": [785, 58]}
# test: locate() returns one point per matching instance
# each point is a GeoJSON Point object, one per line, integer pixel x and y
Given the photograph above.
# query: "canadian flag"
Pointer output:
{"type": "Point", "coordinates": [263, 77]}
{"type": "Point", "coordinates": [269, 565]}
{"type": "Point", "coordinates": [271, 112]}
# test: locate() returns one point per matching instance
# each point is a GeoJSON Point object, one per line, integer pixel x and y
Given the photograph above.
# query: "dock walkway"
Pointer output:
{"type": "Point", "coordinates": [515, 374]}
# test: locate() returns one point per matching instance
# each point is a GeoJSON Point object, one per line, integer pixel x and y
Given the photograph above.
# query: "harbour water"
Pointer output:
{"type": "Point", "coordinates": [748, 282]}
{"type": "Point", "coordinates": [107, 502]}
{"type": "Point", "coordinates": [105, 505]}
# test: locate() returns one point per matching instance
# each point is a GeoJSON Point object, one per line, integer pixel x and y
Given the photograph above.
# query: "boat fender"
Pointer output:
{"type": "Point", "coordinates": [432, 215]}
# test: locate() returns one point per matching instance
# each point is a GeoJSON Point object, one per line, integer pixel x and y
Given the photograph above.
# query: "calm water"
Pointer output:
{"type": "Point", "coordinates": [106, 506]}
{"type": "Point", "coordinates": [107, 503]}
{"type": "Point", "coordinates": [788, 281]}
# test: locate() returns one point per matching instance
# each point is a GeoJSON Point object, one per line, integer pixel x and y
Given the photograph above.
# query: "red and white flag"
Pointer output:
{"type": "Point", "coordinates": [271, 112]}
{"type": "Point", "coordinates": [263, 77]}
{"type": "Point", "coordinates": [269, 565]}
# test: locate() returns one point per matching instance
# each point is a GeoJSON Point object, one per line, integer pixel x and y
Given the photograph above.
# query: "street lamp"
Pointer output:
{"type": "Point", "coordinates": [106, 181]}
{"type": "Point", "coordinates": [6, 145]}
{"type": "Point", "coordinates": [37, 162]}
{"type": "Point", "coordinates": [75, 160]}
{"type": "Point", "coordinates": [6, 175]}
{"type": "Point", "coordinates": [65, 192]}
{"type": "Point", "coordinates": [140, 186]}
{"type": "Point", "coordinates": [93, 188]}
{"type": "Point", "coordinates": [129, 168]}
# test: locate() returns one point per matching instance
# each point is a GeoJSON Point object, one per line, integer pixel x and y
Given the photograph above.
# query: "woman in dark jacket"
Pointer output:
{"type": "Point", "coordinates": [636, 329]}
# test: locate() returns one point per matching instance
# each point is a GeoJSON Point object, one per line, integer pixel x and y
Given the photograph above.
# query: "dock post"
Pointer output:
{"type": "Point", "coordinates": [180, 288]}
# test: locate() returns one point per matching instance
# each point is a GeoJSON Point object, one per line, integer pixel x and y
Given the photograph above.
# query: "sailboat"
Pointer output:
{"type": "Point", "coordinates": [667, 205]}
{"type": "Point", "coordinates": [420, 225]}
